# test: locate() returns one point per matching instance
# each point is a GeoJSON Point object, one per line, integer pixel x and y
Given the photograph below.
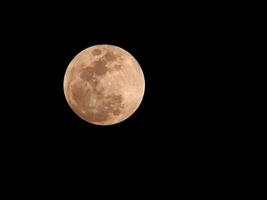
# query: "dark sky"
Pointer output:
{"type": "Point", "coordinates": [186, 131]}
{"type": "Point", "coordinates": [181, 49]}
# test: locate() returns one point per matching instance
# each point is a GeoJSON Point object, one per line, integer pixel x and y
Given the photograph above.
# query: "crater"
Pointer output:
{"type": "Point", "coordinates": [114, 102]}
{"type": "Point", "coordinates": [111, 105]}
{"type": "Point", "coordinates": [117, 67]}
{"type": "Point", "coordinates": [96, 52]}
{"type": "Point", "coordinates": [80, 95]}
{"type": "Point", "coordinates": [110, 56]}
{"type": "Point", "coordinates": [99, 91]}
{"type": "Point", "coordinates": [97, 116]}
{"type": "Point", "coordinates": [81, 65]}
{"type": "Point", "coordinates": [116, 112]}
{"type": "Point", "coordinates": [77, 93]}
{"type": "Point", "coordinates": [87, 74]}
{"type": "Point", "coordinates": [100, 67]}
{"type": "Point", "coordinates": [114, 99]}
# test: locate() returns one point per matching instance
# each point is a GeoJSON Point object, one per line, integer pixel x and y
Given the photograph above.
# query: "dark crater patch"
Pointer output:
{"type": "Point", "coordinates": [87, 74]}
{"type": "Point", "coordinates": [110, 56]}
{"type": "Point", "coordinates": [96, 52]}
{"type": "Point", "coordinates": [100, 67]}
{"type": "Point", "coordinates": [80, 95]}
{"type": "Point", "coordinates": [116, 112]}
{"type": "Point", "coordinates": [117, 67]}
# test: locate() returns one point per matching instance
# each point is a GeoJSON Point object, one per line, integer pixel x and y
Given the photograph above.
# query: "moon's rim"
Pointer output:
{"type": "Point", "coordinates": [72, 62]}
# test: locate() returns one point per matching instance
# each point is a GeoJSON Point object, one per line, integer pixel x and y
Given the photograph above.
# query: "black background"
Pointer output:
{"type": "Point", "coordinates": [184, 120]}
{"type": "Point", "coordinates": [182, 49]}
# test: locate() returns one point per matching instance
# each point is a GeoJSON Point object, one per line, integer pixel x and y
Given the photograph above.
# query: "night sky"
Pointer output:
{"type": "Point", "coordinates": [185, 56]}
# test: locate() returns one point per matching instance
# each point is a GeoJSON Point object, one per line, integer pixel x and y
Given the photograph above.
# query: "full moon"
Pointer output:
{"type": "Point", "coordinates": [104, 84]}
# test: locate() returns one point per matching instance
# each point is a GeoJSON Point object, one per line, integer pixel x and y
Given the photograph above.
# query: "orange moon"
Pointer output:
{"type": "Point", "coordinates": [104, 84]}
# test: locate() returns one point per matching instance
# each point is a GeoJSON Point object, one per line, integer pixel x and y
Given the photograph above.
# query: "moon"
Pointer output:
{"type": "Point", "coordinates": [104, 84]}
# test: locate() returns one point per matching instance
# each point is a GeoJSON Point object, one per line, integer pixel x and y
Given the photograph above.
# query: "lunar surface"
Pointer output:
{"type": "Point", "coordinates": [104, 84]}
